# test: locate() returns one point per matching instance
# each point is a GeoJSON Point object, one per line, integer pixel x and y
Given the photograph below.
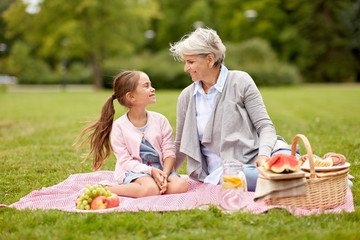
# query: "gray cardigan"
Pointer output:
{"type": "Point", "coordinates": [239, 126]}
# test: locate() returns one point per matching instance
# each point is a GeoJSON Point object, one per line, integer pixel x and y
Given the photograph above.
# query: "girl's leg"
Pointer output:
{"type": "Point", "coordinates": [140, 187]}
{"type": "Point", "coordinates": [176, 185]}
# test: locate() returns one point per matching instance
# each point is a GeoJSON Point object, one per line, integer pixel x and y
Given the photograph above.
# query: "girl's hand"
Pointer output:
{"type": "Point", "coordinates": [259, 160]}
{"type": "Point", "coordinates": [160, 178]}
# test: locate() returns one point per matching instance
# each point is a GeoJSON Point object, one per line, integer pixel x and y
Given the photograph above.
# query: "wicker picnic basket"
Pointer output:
{"type": "Point", "coordinates": [325, 192]}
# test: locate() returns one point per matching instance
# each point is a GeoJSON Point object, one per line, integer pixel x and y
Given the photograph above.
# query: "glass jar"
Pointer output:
{"type": "Point", "coordinates": [233, 192]}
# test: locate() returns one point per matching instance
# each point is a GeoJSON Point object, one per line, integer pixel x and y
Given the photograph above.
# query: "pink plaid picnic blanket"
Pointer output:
{"type": "Point", "coordinates": [63, 195]}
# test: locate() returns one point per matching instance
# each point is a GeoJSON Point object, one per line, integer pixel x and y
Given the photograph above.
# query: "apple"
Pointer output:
{"type": "Point", "coordinates": [100, 202]}
{"type": "Point", "coordinates": [114, 201]}
{"type": "Point", "coordinates": [77, 199]}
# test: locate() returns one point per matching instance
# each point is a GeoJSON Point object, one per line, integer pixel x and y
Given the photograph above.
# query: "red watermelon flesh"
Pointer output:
{"type": "Point", "coordinates": [271, 161]}
{"type": "Point", "coordinates": [280, 165]}
{"type": "Point", "coordinates": [284, 163]}
{"type": "Point", "coordinates": [293, 163]}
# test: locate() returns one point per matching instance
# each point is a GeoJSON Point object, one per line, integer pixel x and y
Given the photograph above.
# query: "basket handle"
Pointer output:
{"type": "Point", "coordinates": [309, 152]}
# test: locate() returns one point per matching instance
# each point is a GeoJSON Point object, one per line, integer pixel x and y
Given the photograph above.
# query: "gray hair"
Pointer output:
{"type": "Point", "coordinates": [202, 41]}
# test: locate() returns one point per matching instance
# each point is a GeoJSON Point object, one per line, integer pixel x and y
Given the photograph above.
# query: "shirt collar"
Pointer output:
{"type": "Point", "coordinates": [219, 83]}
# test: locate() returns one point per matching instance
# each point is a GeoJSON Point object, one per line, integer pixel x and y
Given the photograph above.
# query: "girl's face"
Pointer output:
{"type": "Point", "coordinates": [198, 66]}
{"type": "Point", "coordinates": [144, 94]}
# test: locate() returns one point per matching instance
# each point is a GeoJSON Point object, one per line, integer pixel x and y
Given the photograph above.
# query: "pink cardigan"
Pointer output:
{"type": "Point", "coordinates": [126, 140]}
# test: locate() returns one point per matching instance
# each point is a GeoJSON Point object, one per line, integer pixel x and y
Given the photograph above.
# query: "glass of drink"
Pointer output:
{"type": "Point", "coordinates": [233, 193]}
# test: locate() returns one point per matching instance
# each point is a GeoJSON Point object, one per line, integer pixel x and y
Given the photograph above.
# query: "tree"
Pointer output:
{"type": "Point", "coordinates": [85, 29]}
{"type": "Point", "coordinates": [327, 54]}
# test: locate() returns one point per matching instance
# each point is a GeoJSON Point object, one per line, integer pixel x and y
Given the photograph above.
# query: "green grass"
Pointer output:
{"type": "Point", "coordinates": [37, 130]}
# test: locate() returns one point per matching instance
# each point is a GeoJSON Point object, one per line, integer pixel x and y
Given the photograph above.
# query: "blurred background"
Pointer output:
{"type": "Point", "coordinates": [278, 42]}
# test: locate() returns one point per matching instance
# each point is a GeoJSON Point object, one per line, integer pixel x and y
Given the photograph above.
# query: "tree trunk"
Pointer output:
{"type": "Point", "coordinates": [97, 72]}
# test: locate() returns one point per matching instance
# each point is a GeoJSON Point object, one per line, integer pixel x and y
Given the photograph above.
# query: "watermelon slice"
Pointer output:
{"type": "Point", "coordinates": [279, 163]}
{"type": "Point", "coordinates": [267, 164]}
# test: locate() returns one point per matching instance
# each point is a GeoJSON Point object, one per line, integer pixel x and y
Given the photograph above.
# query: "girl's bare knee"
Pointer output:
{"type": "Point", "coordinates": [183, 186]}
{"type": "Point", "coordinates": [149, 191]}
{"type": "Point", "coordinates": [179, 185]}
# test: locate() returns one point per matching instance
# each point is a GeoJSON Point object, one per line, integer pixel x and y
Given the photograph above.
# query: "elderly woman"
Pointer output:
{"type": "Point", "coordinates": [221, 115]}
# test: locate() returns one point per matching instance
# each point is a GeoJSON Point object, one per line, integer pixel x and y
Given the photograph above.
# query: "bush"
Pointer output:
{"type": "Point", "coordinates": [27, 68]}
{"type": "Point", "coordinates": [79, 73]}
{"type": "Point", "coordinates": [257, 58]}
{"type": "Point", "coordinates": [162, 69]}
{"type": "Point", "coordinates": [254, 56]}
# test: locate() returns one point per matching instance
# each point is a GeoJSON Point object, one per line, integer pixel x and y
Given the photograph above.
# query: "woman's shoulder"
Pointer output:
{"type": "Point", "coordinates": [239, 78]}
{"type": "Point", "coordinates": [189, 90]}
{"type": "Point", "coordinates": [236, 74]}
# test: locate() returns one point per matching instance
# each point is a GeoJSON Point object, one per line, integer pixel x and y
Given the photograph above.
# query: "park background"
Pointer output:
{"type": "Point", "coordinates": [89, 41]}
{"type": "Point", "coordinates": [303, 55]}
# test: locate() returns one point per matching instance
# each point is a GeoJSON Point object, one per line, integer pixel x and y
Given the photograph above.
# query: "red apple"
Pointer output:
{"type": "Point", "coordinates": [114, 200]}
{"type": "Point", "coordinates": [100, 202]}
{"type": "Point", "coordinates": [77, 199]}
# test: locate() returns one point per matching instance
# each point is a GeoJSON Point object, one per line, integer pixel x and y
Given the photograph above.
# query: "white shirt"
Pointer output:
{"type": "Point", "coordinates": [204, 107]}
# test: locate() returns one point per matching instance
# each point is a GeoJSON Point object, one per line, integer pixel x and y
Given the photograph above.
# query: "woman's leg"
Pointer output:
{"type": "Point", "coordinates": [285, 151]}
{"type": "Point", "coordinates": [176, 185]}
{"type": "Point", "coordinates": [140, 187]}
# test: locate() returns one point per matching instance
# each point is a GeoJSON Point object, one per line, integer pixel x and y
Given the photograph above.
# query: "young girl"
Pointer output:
{"type": "Point", "coordinates": [141, 140]}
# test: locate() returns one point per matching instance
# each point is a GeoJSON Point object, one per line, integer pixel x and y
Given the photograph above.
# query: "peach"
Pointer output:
{"type": "Point", "coordinates": [100, 202]}
{"type": "Point", "coordinates": [114, 201]}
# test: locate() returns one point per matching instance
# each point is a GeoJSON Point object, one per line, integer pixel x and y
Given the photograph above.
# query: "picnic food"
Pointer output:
{"type": "Point", "coordinates": [305, 157]}
{"type": "Point", "coordinates": [96, 197]}
{"type": "Point", "coordinates": [328, 160]}
{"type": "Point", "coordinates": [319, 162]}
{"type": "Point", "coordinates": [337, 158]}
{"type": "Point", "coordinates": [281, 163]}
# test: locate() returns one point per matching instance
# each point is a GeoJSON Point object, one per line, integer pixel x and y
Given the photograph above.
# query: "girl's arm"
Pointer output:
{"type": "Point", "coordinates": [125, 161]}
{"type": "Point", "coordinates": [168, 165]}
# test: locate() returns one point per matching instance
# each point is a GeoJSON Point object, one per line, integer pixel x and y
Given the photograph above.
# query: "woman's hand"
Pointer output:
{"type": "Point", "coordinates": [259, 160]}
{"type": "Point", "coordinates": [160, 178]}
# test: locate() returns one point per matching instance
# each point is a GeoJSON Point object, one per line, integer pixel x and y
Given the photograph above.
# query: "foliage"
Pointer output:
{"type": "Point", "coordinates": [81, 29]}
{"type": "Point", "coordinates": [36, 151]}
{"type": "Point", "coordinates": [317, 36]}
{"type": "Point", "coordinates": [163, 70]}
{"type": "Point", "coordinates": [327, 53]}
{"type": "Point", "coordinates": [27, 69]}
{"type": "Point", "coordinates": [256, 57]}
{"type": "Point", "coordinates": [320, 38]}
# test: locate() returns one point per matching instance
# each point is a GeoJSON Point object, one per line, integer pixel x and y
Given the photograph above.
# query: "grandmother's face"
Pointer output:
{"type": "Point", "coordinates": [197, 65]}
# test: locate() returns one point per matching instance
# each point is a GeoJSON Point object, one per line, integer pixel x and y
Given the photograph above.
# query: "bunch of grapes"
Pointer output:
{"type": "Point", "coordinates": [90, 192]}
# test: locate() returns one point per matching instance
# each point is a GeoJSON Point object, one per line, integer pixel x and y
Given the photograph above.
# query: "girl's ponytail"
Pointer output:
{"type": "Point", "coordinates": [99, 139]}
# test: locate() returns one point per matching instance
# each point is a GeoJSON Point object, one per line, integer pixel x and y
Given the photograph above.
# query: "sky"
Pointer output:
{"type": "Point", "coordinates": [33, 6]}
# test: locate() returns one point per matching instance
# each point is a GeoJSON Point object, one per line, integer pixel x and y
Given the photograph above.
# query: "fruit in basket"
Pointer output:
{"type": "Point", "coordinates": [280, 163]}
{"type": "Point", "coordinates": [96, 197]}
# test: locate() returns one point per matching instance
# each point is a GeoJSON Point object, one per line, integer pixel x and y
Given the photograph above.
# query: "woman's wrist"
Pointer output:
{"type": "Point", "coordinates": [259, 160]}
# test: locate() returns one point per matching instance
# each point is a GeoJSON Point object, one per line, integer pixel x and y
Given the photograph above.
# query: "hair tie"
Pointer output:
{"type": "Point", "coordinates": [113, 96]}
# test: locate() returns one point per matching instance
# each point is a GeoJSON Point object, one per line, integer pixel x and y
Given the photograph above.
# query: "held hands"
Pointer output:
{"type": "Point", "coordinates": [259, 160]}
{"type": "Point", "coordinates": [160, 179]}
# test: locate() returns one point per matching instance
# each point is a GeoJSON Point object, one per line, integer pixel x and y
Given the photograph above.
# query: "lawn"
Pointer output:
{"type": "Point", "coordinates": [37, 130]}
